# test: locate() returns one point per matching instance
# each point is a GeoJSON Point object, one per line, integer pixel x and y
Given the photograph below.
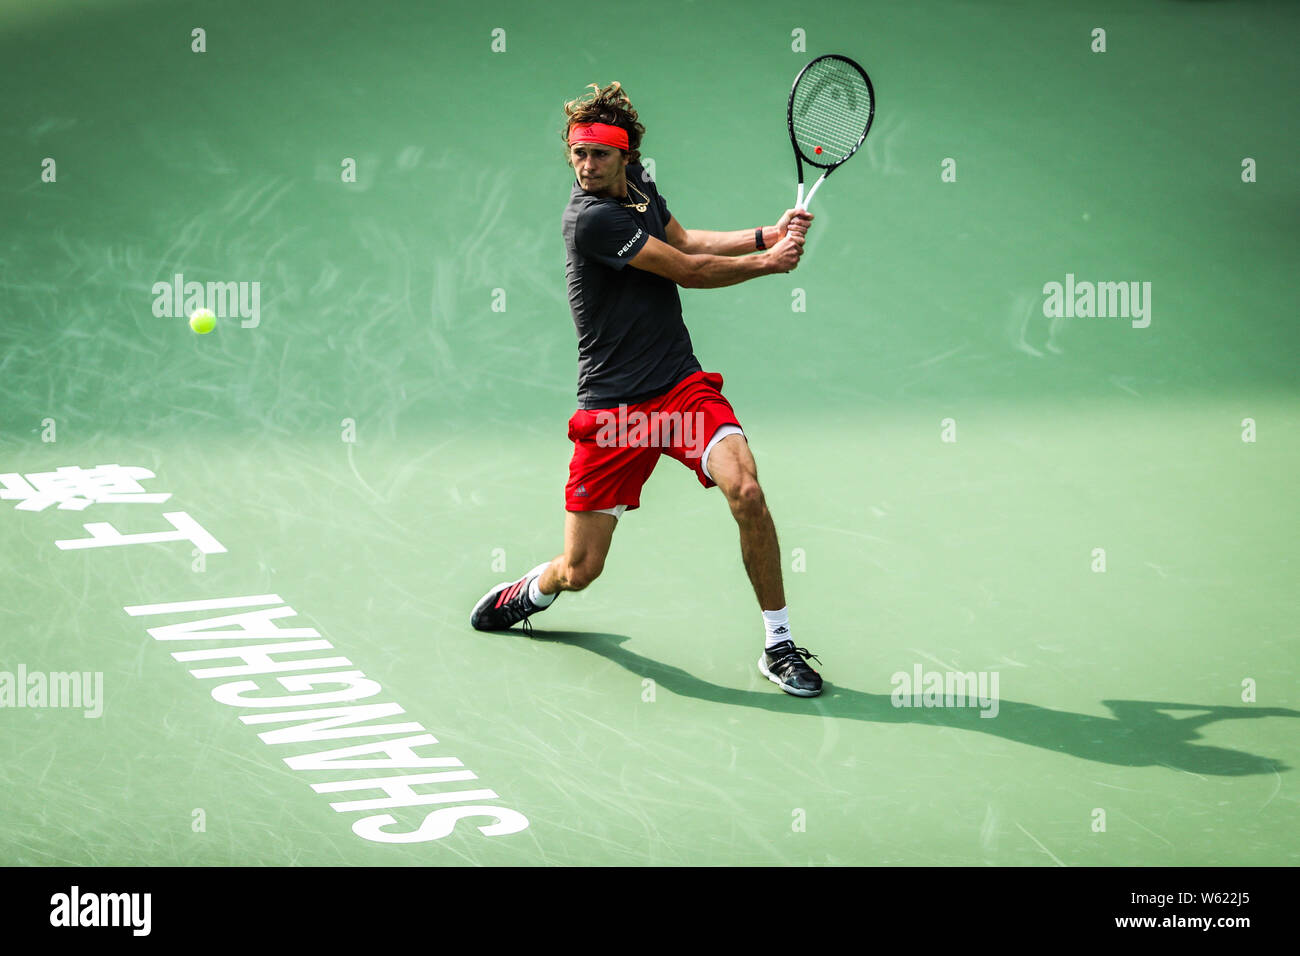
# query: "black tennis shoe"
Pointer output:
{"type": "Point", "coordinates": [786, 666]}
{"type": "Point", "coordinates": [506, 605]}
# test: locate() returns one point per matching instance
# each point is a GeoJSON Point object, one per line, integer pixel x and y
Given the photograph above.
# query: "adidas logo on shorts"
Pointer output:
{"type": "Point", "coordinates": [582, 491]}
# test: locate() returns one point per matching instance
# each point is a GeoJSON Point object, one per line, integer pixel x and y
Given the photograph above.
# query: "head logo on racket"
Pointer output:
{"type": "Point", "coordinates": [829, 115]}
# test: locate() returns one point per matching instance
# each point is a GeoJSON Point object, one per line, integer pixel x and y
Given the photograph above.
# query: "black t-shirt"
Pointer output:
{"type": "Point", "coordinates": [632, 342]}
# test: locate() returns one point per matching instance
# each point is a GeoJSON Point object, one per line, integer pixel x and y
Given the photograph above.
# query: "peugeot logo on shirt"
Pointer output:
{"type": "Point", "coordinates": [630, 242]}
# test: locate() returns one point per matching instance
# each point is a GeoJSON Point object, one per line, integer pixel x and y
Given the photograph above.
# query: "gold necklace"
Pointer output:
{"type": "Point", "coordinates": [638, 206]}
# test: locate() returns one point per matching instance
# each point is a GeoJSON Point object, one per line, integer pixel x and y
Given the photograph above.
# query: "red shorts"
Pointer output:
{"type": "Point", "coordinates": [616, 449]}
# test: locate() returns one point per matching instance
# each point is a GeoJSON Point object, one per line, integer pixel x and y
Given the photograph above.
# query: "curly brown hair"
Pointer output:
{"type": "Point", "coordinates": [609, 105]}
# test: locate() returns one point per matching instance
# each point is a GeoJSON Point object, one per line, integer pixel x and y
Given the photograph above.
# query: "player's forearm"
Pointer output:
{"type": "Point", "coordinates": [738, 243]}
{"type": "Point", "coordinates": [714, 272]}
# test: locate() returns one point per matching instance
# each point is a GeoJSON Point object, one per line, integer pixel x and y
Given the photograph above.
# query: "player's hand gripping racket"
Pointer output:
{"type": "Point", "coordinates": [831, 107]}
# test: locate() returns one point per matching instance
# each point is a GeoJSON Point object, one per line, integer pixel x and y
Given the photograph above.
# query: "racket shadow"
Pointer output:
{"type": "Point", "coordinates": [1140, 733]}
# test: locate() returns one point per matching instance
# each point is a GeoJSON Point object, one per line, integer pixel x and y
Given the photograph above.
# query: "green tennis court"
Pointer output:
{"type": "Point", "coordinates": [1092, 515]}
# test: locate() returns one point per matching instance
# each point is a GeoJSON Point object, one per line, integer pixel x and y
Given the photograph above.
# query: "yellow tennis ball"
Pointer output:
{"type": "Point", "coordinates": [203, 321]}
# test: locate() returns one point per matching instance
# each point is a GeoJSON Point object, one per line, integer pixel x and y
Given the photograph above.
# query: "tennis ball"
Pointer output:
{"type": "Point", "coordinates": [203, 321]}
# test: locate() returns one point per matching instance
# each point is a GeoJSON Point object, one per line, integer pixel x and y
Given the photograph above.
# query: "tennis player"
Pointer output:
{"type": "Point", "coordinates": [641, 391]}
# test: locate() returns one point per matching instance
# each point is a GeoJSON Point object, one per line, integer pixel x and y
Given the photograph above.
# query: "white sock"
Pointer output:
{"type": "Point", "coordinates": [777, 624]}
{"type": "Point", "coordinates": [536, 596]}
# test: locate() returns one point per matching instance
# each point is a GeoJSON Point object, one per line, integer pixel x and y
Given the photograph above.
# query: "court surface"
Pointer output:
{"type": "Point", "coordinates": [961, 483]}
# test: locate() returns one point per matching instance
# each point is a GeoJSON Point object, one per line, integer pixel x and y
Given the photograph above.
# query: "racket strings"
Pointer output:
{"type": "Point", "coordinates": [832, 110]}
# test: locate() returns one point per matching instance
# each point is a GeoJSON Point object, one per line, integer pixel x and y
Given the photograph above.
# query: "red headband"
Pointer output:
{"type": "Point", "coordinates": [601, 133]}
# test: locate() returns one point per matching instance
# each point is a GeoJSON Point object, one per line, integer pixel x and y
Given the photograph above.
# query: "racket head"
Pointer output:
{"type": "Point", "coordinates": [831, 105]}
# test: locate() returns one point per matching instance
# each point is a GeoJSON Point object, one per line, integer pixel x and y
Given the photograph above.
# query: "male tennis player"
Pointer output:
{"type": "Point", "coordinates": [641, 392]}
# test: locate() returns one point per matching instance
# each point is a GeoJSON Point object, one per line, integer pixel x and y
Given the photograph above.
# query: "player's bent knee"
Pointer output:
{"type": "Point", "coordinates": [581, 575]}
{"type": "Point", "coordinates": [747, 498]}
{"type": "Point", "coordinates": [582, 570]}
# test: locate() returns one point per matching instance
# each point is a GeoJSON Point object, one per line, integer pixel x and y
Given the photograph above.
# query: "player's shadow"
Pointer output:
{"type": "Point", "coordinates": [1141, 733]}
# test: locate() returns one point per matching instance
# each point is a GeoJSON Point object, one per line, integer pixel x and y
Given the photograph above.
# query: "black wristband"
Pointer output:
{"type": "Point", "coordinates": [758, 238]}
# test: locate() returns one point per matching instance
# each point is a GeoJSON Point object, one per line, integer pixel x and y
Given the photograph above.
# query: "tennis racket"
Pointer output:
{"type": "Point", "coordinates": [829, 114]}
